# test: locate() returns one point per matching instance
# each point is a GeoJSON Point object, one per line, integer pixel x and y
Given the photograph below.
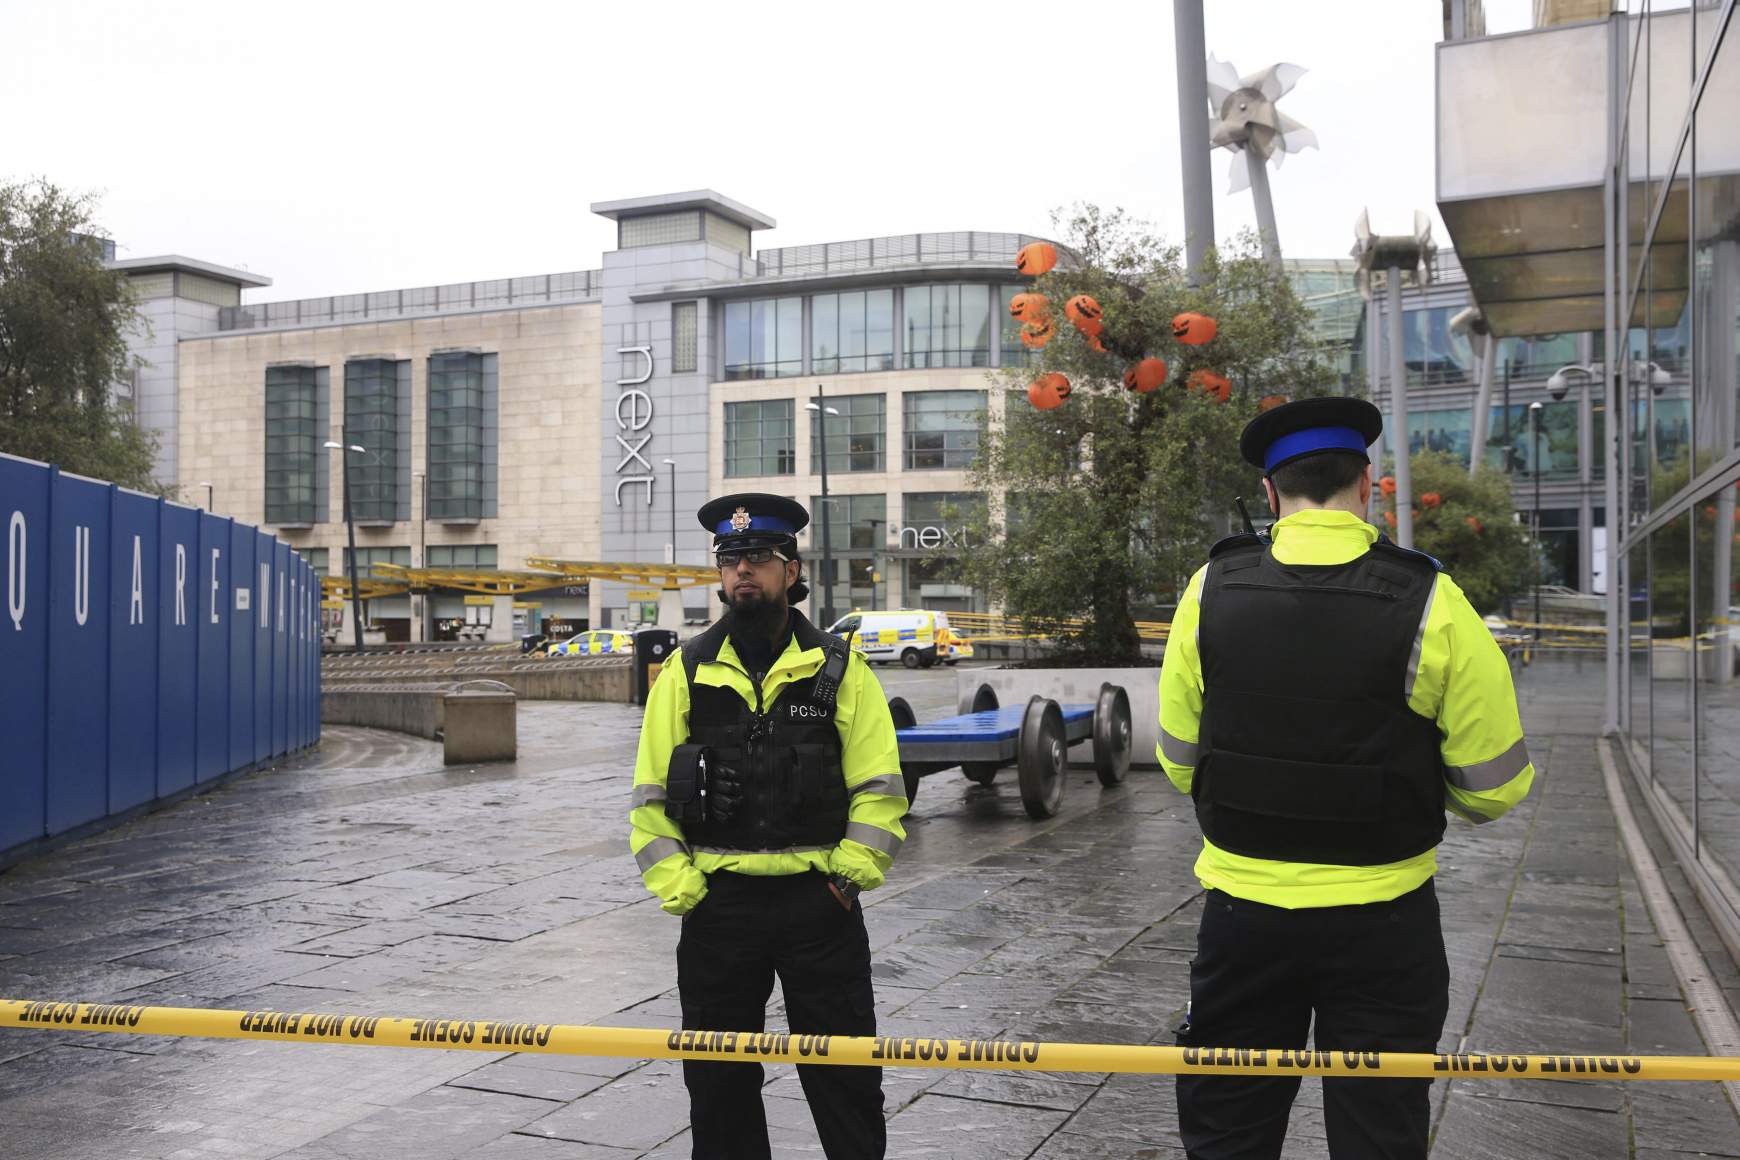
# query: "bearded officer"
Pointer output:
{"type": "Point", "coordinates": [1326, 696]}
{"type": "Point", "coordinates": [767, 795]}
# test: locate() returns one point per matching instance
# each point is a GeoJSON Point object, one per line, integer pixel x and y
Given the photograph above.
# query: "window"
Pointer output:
{"type": "Point", "coordinates": [462, 556]}
{"type": "Point", "coordinates": [760, 438]}
{"type": "Point", "coordinates": [1432, 353]}
{"type": "Point", "coordinates": [317, 559]}
{"type": "Point", "coordinates": [684, 345]}
{"type": "Point", "coordinates": [948, 326]}
{"type": "Point", "coordinates": [764, 338]}
{"type": "Point", "coordinates": [942, 428]}
{"type": "Point", "coordinates": [293, 445]}
{"type": "Point", "coordinates": [855, 435]}
{"type": "Point", "coordinates": [461, 435]}
{"type": "Point", "coordinates": [1014, 353]}
{"type": "Point", "coordinates": [366, 558]}
{"type": "Point", "coordinates": [857, 528]}
{"type": "Point", "coordinates": [852, 332]}
{"type": "Point", "coordinates": [371, 421]}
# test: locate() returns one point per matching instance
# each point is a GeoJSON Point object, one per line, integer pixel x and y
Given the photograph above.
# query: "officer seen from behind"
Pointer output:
{"type": "Point", "coordinates": [767, 794]}
{"type": "Point", "coordinates": [1326, 696]}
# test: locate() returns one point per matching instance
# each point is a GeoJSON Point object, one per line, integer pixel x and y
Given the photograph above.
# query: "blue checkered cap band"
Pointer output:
{"type": "Point", "coordinates": [1312, 439]}
{"type": "Point", "coordinates": [765, 524]}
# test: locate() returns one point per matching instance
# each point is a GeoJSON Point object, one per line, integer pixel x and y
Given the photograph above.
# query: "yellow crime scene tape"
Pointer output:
{"type": "Point", "coordinates": [858, 1051]}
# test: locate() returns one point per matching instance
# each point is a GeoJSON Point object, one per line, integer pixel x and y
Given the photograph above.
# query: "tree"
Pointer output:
{"type": "Point", "coordinates": [1111, 500]}
{"type": "Point", "coordinates": [1468, 522]}
{"type": "Point", "coordinates": [64, 321]}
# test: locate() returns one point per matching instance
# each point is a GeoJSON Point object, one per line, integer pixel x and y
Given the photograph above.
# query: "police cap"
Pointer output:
{"type": "Point", "coordinates": [753, 520]}
{"type": "Point", "coordinates": [1307, 427]}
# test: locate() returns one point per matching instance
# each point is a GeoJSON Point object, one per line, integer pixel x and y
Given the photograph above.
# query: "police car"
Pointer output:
{"type": "Point", "coordinates": [917, 638]}
{"type": "Point", "coordinates": [596, 642]}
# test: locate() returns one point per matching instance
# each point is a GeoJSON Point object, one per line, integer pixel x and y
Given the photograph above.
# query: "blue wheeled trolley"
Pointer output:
{"type": "Point", "coordinates": [1035, 737]}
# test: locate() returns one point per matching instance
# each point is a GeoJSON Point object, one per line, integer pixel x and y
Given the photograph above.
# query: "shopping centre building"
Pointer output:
{"type": "Point", "coordinates": [1589, 174]}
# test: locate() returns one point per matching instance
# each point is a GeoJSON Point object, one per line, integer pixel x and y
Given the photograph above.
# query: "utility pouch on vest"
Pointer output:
{"type": "Point", "coordinates": [686, 784]}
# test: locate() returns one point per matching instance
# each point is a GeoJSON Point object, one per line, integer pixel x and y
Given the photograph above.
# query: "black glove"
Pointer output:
{"type": "Point", "coordinates": [724, 793]}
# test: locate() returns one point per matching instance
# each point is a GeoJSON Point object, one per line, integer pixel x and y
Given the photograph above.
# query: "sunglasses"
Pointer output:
{"type": "Point", "coordinates": [753, 555]}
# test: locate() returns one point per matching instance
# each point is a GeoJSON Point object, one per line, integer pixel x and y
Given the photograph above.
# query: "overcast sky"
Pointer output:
{"type": "Point", "coordinates": [368, 145]}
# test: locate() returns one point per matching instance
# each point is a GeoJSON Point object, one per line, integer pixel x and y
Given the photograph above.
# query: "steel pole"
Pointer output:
{"type": "Point", "coordinates": [1399, 412]}
{"type": "Point", "coordinates": [1540, 558]}
{"type": "Point", "coordinates": [1265, 203]}
{"type": "Point", "coordinates": [1192, 57]}
{"type": "Point", "coordinates": [350, 527]}
{"type": "Point", "coordinates": [1480, 421]}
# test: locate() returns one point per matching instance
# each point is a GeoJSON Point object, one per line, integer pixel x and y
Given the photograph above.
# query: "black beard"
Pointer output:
{"type": "Point", "coordinates": [755, 613]}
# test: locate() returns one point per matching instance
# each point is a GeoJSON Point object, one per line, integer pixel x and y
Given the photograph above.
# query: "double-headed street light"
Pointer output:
{"type": "Point", "coordinates": [350, 527]}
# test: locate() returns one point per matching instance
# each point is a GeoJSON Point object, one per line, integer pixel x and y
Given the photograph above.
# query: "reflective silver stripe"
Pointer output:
{"type": "Point", "coordinates": [1419, 642]}
{"type": "Point", "coordinates": [657, 851]}
{"type": "Point", "coordinates": [1177, 751]}
{"type": "Point", "coordinates": [872, 836]}
{"type": "Point", "coordinates": [647, 794]}
{"type": "Point", "coordinates": [1484, 775]}
{"type": "Point", "coordinates": [1463, 811]}
{"type": "Point", "coordinates": [728, 852]}
{"type": "Point", "coordinates": [891, 784]}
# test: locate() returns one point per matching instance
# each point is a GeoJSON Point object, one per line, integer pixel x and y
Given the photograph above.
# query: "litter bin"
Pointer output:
{"type": "Point", "coordinates": [652, 648]}
{"type": "Point", "coordinates": [532, 642]}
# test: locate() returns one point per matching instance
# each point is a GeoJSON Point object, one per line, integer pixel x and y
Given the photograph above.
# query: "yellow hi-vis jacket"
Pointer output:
{"type": "Point", "coordinates": [1462, 682]}
{"type": "Point", "coordinates": [869, 758]}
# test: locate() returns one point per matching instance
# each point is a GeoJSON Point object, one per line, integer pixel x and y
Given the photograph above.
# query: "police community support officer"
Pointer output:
{"type": "Point", "coordinates": [767, 794]}
{"type": "Point", "coordinates": [1325, 697]}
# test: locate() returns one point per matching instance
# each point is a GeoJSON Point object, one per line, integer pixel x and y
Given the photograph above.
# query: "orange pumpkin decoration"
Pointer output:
{"type": "Point", "coordinates": [1033, 337]}
{"type": "Point", "coordinates": [1092, 327]}
{"type": "Point", "coordinates": [1474, 522]}
{"type": "Point", "coordinates": [1094, 343]}
{"type": "Point", "coordinates": [1047, 392]}
{"type": "Point", "coordinates": [1029, 307]}
{"type": "Point", "coordinates": [1193, 329]}
{"type": "Point", "coordinates": [1390, 518]}
{"type": "Point", "coordinates": [1270, 402]}
{"type": "Point", "coordinates": [1036, 258]}
{"type": "Point", "coordinates": [1431, 499]}
{"type": "Point", "coordinates": [1210, 383]}
{"type": "Point", "coordinates": [1146, 375]}
{"type": "Point", "coordinates": [1387, 485]}
{"type": "Point", "coordinates": [1082, 306]}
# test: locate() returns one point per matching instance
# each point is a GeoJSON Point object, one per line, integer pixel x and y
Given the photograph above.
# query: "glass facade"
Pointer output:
{"type": "Point", "coordinates": [852, 331]}
{"type": "Point", "coordinates": [855, 436]}
{"type": "Point", "coordinates": [293, 445]}
{"type": "Point", "coordinates": [942, 429]}
{"type": "Point", "coordinates": [685, 337]}
{"type": "Point", "coordinates": [461, 556]}
{"type": "Point", "coordinates": [857, 536]}
{"type": "Point", "coordinates": [764, 338]}
{"type": "Point", "coordinates": [947, 326]}
{"type": "Point", "coordinates": [760, 438]}
{"type": "Point", "coordinates": [371, 409]}
{"type": "Point", "coordinates": [456, 435]}
{"type": "Point", "coordinates": [1678, 685]}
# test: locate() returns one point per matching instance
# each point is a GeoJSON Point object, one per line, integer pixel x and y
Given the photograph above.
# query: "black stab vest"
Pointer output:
{"type": "Point", "coordinates": [1309, 751]}
{"type": "Point", "coordinates": [787, 754]}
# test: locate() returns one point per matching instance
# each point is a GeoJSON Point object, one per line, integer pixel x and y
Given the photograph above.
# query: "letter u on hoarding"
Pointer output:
{"type": "Point", "coordinates": [81, 573]}
{"type": "Point", "coordinates": [17, 539]}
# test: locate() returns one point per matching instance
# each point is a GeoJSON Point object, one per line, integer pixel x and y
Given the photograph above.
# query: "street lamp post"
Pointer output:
{"type": "Point", "coordinates": [350, 527]}
{"type": "Point", "coordinates": [422, 552]}
{"type": "Point", "coordinates": [1535, 422]}
{"type": "Point", "coordinates": [877, 547]}
{"type": "Point", "coordinates": [822, 410]}
{"type": "Point", "coordinates": [672, 464]}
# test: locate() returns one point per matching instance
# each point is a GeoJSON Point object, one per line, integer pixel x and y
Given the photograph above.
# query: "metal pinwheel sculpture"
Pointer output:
{"type": "Point", "coordinates": [1243, 118]}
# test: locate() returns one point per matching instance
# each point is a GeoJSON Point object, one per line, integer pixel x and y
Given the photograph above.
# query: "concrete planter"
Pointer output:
{"type": "Point", "coordinates": [1072, 687]}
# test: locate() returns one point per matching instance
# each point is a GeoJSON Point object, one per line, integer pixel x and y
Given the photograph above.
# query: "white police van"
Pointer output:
{"type": "Point", "coordinates": [917, 638]}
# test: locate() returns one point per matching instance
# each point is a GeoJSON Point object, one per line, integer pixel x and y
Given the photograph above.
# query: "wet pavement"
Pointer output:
{"type": "Point", "coordinates": [369, 879]}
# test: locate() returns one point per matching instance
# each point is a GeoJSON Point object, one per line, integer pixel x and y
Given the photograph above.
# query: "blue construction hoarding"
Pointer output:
{"type": "Point", "coordinates": [147, 647]}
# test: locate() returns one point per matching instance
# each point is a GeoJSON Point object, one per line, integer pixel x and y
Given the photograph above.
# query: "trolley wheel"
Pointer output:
{"type": "Point", "coordinates": [1044, 758]}
{"type": "Point", "coordinates": [910, 658]}
{"type": "Point", "coordinates": [1112, 735]}
{"type": "Point", "coordinates": [904, 717]}
{"type": "Point", "coordinates": [983, 772]}
{"type": "Point", "coordinates": [911, 775]}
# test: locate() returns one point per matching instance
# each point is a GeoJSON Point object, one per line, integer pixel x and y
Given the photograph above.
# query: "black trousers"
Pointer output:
{"type": "Point", "coordinates": [1376, 978]}
{"type": "Point", "coordinates": [747, 930]}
